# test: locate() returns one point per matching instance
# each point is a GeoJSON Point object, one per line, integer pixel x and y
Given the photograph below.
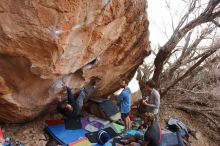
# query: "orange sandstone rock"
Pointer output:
{"type": "Point", "coordinates": [46, 41]}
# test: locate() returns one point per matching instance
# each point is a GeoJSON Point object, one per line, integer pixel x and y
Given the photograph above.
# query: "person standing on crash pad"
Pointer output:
{"type": "Point", "coordinates": [73, 106]}
{"type": "Point", "coordinates": [125, 103]}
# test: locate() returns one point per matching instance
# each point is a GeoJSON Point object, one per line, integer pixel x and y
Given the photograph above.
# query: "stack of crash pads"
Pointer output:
{"type": "Point", "coordinates": [87, 133]}
{"type": "Point", "coordinates": [65, 136]}
{"type": "Point", "coordinates": [103, 108]}
{"type": "Point", "coordinates": [84, 135]}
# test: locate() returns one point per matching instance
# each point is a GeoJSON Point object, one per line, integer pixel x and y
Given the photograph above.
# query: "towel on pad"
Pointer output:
{"type": "Point", "coordinates": [102, 121]}
{"type": "Point", "coordinates": [118, 128]}
{"type": "Point", "coordinates": [91, 126]}
{"type": "Point", "coordinates": [134, 132]}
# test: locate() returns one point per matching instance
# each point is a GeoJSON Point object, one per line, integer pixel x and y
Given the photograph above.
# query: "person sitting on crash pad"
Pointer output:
{"type": "Point", "coordinates": [153, 134]}
{"type": "Point", "coordinates": [74, 105]}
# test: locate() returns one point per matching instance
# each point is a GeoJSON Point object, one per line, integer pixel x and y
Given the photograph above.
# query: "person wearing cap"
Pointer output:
{"type": "Point", "coordinates": [74, 105]}
{"type": "Point", "coordinates": [153, 134]}
{"type": "Point", "coordinates": [125, 103]}
{"type": "Point", "coordinates": [102, 137]}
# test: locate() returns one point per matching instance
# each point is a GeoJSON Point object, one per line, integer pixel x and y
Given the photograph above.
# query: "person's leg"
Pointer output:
{"type": "Point", "coordinates": [84, 92]}
{"type": "Point", "coordinates": [129, 123]}
{"type": "Point", "coordinates": [70, 97]}
{"type": "Point", "coordinates": [61, 108]}
{"type": "Point", "coordinates": [123, 117]}
{"type": "Point", "coordinates": [89, 89]}
{"type": "Point", "coordinates": [81, 98]}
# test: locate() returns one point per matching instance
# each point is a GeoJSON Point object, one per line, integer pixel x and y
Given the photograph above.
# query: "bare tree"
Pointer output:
{"type": "Point", "coordinates": [191, 51]}
{"type": "Point", "coordinates": [178, 65]}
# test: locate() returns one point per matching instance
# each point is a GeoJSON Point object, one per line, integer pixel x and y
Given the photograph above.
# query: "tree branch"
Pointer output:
{"type": "Point", "coordinates": [164, 52]}
{"type": "Point", "coordinates": [206, 55]}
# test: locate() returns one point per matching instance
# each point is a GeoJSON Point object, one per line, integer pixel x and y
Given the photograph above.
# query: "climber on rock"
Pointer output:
{"type": "Point", "coordinates": [72, 108]}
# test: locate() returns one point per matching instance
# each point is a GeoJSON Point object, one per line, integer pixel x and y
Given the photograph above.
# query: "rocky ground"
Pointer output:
{"type": "Point", "coordinates": [29, 134]}
{"type": "Point", "coordinates": [203, 140]}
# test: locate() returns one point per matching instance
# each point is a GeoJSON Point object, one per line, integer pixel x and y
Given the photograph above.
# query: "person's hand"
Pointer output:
{"type": "Point", "coordinates": [114, 94]}
{"type": "Point", "coordinates": [65, 85]}
{"type": "Point", "coordinates": [145, 101]}
{"type": "Point", "coordinates": [132, 139]}
{"type": "Point", "coordinates": [146, 98]}
{"type": "Point", "coordinates": [126, 141]}
{"type": "Point", "coordinates": [59, 98]}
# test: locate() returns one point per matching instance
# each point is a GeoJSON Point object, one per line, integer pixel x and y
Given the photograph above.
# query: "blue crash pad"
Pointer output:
{"type": "Point", "coordinates": [65, 136]}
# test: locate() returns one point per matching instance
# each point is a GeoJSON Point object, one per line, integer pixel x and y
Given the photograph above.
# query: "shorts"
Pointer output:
{"type": "Point", "coordinates": [124, 115]}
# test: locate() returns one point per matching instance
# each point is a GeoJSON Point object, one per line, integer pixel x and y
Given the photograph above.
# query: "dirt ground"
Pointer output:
{"type": "Point", "coordinates": [203, 140]}
{"type": "Point", "coordinates": [29, 134]}
{"type": "Point", "coordinates": [32, 133]}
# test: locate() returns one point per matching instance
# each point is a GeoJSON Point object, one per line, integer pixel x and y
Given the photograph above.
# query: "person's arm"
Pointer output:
{"type": "Point", "coordinates": [150, 105]}
{"type": "Point", "coordinates": [120, 97]}
{"type": "Point", "coordinates": [59, 105]}
{"type": "Point", "coordinates": [147, 138]}
{"type": "Point", "coordinates": [69, 95]}
{"type": "Point", "coordinates": [141, 142]}
{"type": "Point", "coordinates": [69, 92]}
{"type": "Point", "coordinates": [144, 143]}
{"type": "Point", "coordinates": [156, 101]}
{"type": "Point", "coordinates": [147, 104]}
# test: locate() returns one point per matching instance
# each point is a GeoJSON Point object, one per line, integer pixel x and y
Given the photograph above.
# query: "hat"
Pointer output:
{"type": "Point", "coordinates": [102, 137]}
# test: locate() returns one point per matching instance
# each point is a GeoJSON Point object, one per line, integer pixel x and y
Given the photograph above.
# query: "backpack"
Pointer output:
{"type": "Point", "coordinates": [178, 126]}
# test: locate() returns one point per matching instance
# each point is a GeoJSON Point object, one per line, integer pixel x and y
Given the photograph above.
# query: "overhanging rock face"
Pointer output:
{"type": "Point", "coordinates": [46, 41]}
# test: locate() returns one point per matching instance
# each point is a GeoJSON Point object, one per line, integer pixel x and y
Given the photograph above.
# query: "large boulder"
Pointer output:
{"type": "Point", "coordinates": [44, 42]}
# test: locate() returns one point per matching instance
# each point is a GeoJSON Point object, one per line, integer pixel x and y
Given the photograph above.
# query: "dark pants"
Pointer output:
{"type": "Point", "coordinates": [76, 103]}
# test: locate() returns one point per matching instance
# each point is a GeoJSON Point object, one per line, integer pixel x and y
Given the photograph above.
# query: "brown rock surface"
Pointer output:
{"type": "Point", "coordinates": [46, 41]}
